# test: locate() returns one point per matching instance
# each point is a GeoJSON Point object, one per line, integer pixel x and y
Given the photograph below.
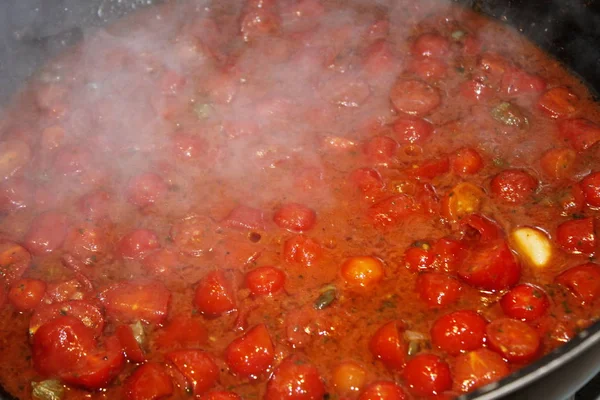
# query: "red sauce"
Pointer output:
{"type": "Point", "coordinates": [288, 199]}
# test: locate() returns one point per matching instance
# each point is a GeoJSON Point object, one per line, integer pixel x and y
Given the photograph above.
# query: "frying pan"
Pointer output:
{"type": "Point", "coordinates": [31, 31]}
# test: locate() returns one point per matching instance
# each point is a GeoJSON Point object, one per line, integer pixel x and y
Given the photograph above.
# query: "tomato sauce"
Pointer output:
{"type": "Point", "coordinates": [294, 199]}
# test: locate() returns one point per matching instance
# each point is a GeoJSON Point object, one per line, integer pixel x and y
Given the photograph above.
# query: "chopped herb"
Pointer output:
{"type": "Point", "coordinates": [510, 115]}
{"type": "Point", "coordinates": [325, 299]}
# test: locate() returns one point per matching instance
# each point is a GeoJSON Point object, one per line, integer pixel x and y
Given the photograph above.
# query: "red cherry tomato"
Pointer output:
{"type": "Point", "coordinates": [252, 354]}
{"type": "Point", "coordinates": [295, 217]}
{"type": "Point", "coordinates": [437, 289]}
{"type": "Point", "coordinates": [516, 81]}
{"type": "Point", "coordinates": [577, 236]}
{"type": "Point", "coordinates": [131, 348]}
{"type": "Point", "coordinates": [131, 301]}
{"type": "Point", "coordinates": [182, 332]}
{"type": "Point", "coordinates": [192, 235]}
{"type": "Point", "coordinates": [362, 272]}
{"type": "Point", "coordinates": [526, 302]}
{"type": "Point", "coordinates": [390, 211]}
{"type": "Point", "coordinates": [571, 199]}
{"type": "Point", "coordinates": [149, 382]}
{"type": "Point", "coordinates": [558, 102]}
{"type": "Point", "coordinates": [388, 345]}
{"type": "Point", "coordinates": [512, 339]}
{"type": "Point", "coordinates": [419, 257]}
{"type": "Point", "coordinates": [265, 280]}
{"type": "Point", "coordinates": [479, 228]}
{"type": "Point", "coordinates": [558, 163]}
{"type": "Point", "coordinates": [449, 254]}
{"type": "Point", "coordinates": [427, 374]}
{"type": "Point", "coordinates": [137, 244]}
{"type": "Point", "coordinates": [198, 367]}
{"type": "Point", "coordinates": [368, 181]}
{"type": "Point", "coordinates": [302, 250]}
{"type": "Point", "coordinates": [431, 45]}
{"type": "Point", "coordinates": [513, 186]}
{"type": "Point", "coordinates": [580, 133]}
{"type": "Point", "coordinates": [87, 243]}
{"type": "Point", "coordinates": [583, 281]}
{"type": "Point", "coordinates": [380, 149]}
{"type": "Point", "coordinates": [427, 68]}
{"type": "Point", "coordinates": [412, 130]}
{"type": "Point", "coordinates": [15, 193]}
{"type": "Point", "coordinates": [46, 233]}
{"type": "Point", "coordinates": [243, 217]}
{"type": "Point", "coordinates": [458, 332]}
{"type": "Point", "coordinates": [478, 368]}
{"type": "Point", "coordinates": [475, 90]}
{"type": "Point", "coordinates": [429, 169]}
{"type": "Point", "coordinates": [214, 295]}
{"type": "Point", "coordinates": [383, 390]}
{"type": "Point", "coordinates": [414, 97]}
{"type": "Point", "coordinates": [491, 267]}
{"type": "Point", "coordinates": [295, 379]}
{"type": "Point", "coordinates": [25, 294]}
{"type": "Point", "coordinates": [145, 189]}
{"type": "Point", "coordinates": [466, 161]}
{"type": "Point", "coordinates": [90, 315]}
{"type": "Point", "coordinates": [591, 189]}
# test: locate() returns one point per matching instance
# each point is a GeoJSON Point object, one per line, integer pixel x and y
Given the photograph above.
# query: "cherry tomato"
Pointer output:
{"type": "Point", "coordinates": [388, 345]}
{"type": "Point", "coordinates": [380, 149]}
{"type": "Point", "coordinates": [512, 339]}
{"type": "Point", "coordinates": [46, 233]}
{"type": "Point", "coordinates": [243, 217]}
{"type": "Point", "coordinates": [15, 193]}
{"type": "Point", "coordinates": [577, 236]}
{"type": "Point", "coordinates": [198, 367]}
{"type": "Point", "coordinates": [391, 210]}
{"type": "Point", "coordinates": [191, 235]}
{"type": "Point", "coordinates": [182, 332]}
{"type": "Point", "coordinates": [419, 257]}
{"type": "Point", "coordinates": [427, 374]}
{"type": "Point", "coordinates": [149, 382]}
{"type": "Point", "coordinates": [491, 266]}
{"type": "Point", "coordinates": [513, 186]}
{"type": "Point", "coordinates": [427, 68]}
{"type": "Point", "coordinates": [14, 261]}
{"type": "Point", "coordinates": [90, 315]}
{"type": "Point", "coordinates": [295, 217]}
{"type": "Point", "coordinates": [558, 163]}
{"type": "Point", "coordinates": [449, 254]}
{"type": "Point", "coordinates": [87, 243]}
{"type": "Point", "coordinates": [583, 281]}
{"type": "Point", "coordinates": [571, 199]}
{"type": "Point", "coordinates": [580, 133]}
{"type": "Point", "coordinates": [131, 348]}
{"type": "Point", "coordinates": [214, 295]}
{"type": "Point", "coordinates": [591, 189]}
{"type": "Point", "coordinates": [475, 90]}
{"type": "Point", "coordinates": [480, 229]}
{"type": "Point", "coordinates": [368, 181]}
{"type": "Point", "coordinates": [458, 332]}
{"type": "Point", "coordinates": [430, 169]}
{"type": "Point", "coordinates": [478, 368]}
{"type": "Point", "coordinates": [14, 155]}
{"type": "Point", "coordinates": [161, 262]}
{"type": "Point", "coordinates": [466, 161]}
{"type": "Point", "coordinates": [302, 250]}
{"type": "Point", "coordinates": [526, 302]}
{"type": "Point", "coordinates": [437, 289]}
{"type": "Point", "coordinates": [133, 301]}
{"type": "Point", "coordinates": [516, 81]}
{"type": "Point", "coordinates": [412, 130]}
{"type": "Point", "coordinates": [431, 45]}
{"type": "Point", "coordinates": [145, 189]}
{"type": "Point", "coordinates": [295, 379]}
{"type": "Point", "coordinates": [383, 390]}
{"type": "Point", "coordinates": [558, 102]}
{"type": "Point", "coordinates": [137, 244]}
{"type": "Point", "coordinates": [252, 354]}
{"type": "Point", "coordinates": [25, 294]}
{"type": "Point", "coordinates": [362, 272]}
{"type": "Point", "coordinates": [265, 280]}
{"type": "Point", "coordinates": [414, 97]}
{"type": "Point", "coordinates": [348, 377]}
{"type": "Point", "coordinates": [462, 200]}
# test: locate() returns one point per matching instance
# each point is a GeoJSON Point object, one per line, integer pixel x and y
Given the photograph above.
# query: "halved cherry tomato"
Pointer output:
{"type": "Point", "coordinates": [25, 294]}
{"type": "Point", "coordinates": [90, 315]}
{"type": "Point", "coordinates": [182, 331]}
{"type": "Point", "coordinates": [132, 301]}
{"type": "Point", "coordinates": [214, 295]}
{"type": "Point", "coordinates": [391, 210]}
{"type": "Point", "coordinates": [478, 368]}
{"type": "Point", "coordinates": [491, 267]}
{"type": "Point", "coordinates": [295, 217]}
{"type": "Point", "coordinates": [46, 233]}
{"type": "Point", "coordinates": [414, 97]}
{"type": "Point", "coordinates": [130, 346]}
{"type": "Point", "coordinates": [145, 189]}
{"type": "Point", "coordinates": [265, 280]}
{"type": "Point", "coordinates": [580, 133]}
{"type": "Point", "coordinates": [380, 149]}
{"type": "Point", "coordinates": [252, 354]}
{"type": "Point", "coordinates": [559, 102]}
{"type": "Point", "coordinates": [427, 374]}
{"type": "Point", "coordinates": [462, 200]}
{"type": "Point", "coordinates": [458, 332]}
{"type": "Point", "coordinates": [388, 345]}
{"type": "Point", "coordinates": [302, 250]}
{"type": "Point", "coordinates": [583, 281]}
{"type": "Point", "coordinates": [412, 130]}
{"type": "Point", "coordinates": [244, 217]}
{"type": "Point", "coordinates": [558, 163]}
{"type": "Point", "coordinates": [437, 289]}
{"type": "Point", "coordinates": [295, 379]}
{"type": "Point", "coordinates": [362, 272]}
{"type": "Point", "coordinates": [526, 302]}
{"type": "Point", "coordinates": [198, 367]}
{"type": "Point", "coordinates": [466, 161]}
{"type": "Point", "coordinates": [577, 236]}
{"type": "Point", "coordinates": [514, 340]}
{"type": "Point", "coordinates": [383, 390]}
{"type": "Point", "coordinates": [591, 189]}
{"type": "Point", "coordinates": [137, 244]}
{"type": "Point", "coordinates": [149, 382]}
{"type": "Point", "coordinates": [14, 261]}
{"type": "Point", "coordinates": [513, 186]}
